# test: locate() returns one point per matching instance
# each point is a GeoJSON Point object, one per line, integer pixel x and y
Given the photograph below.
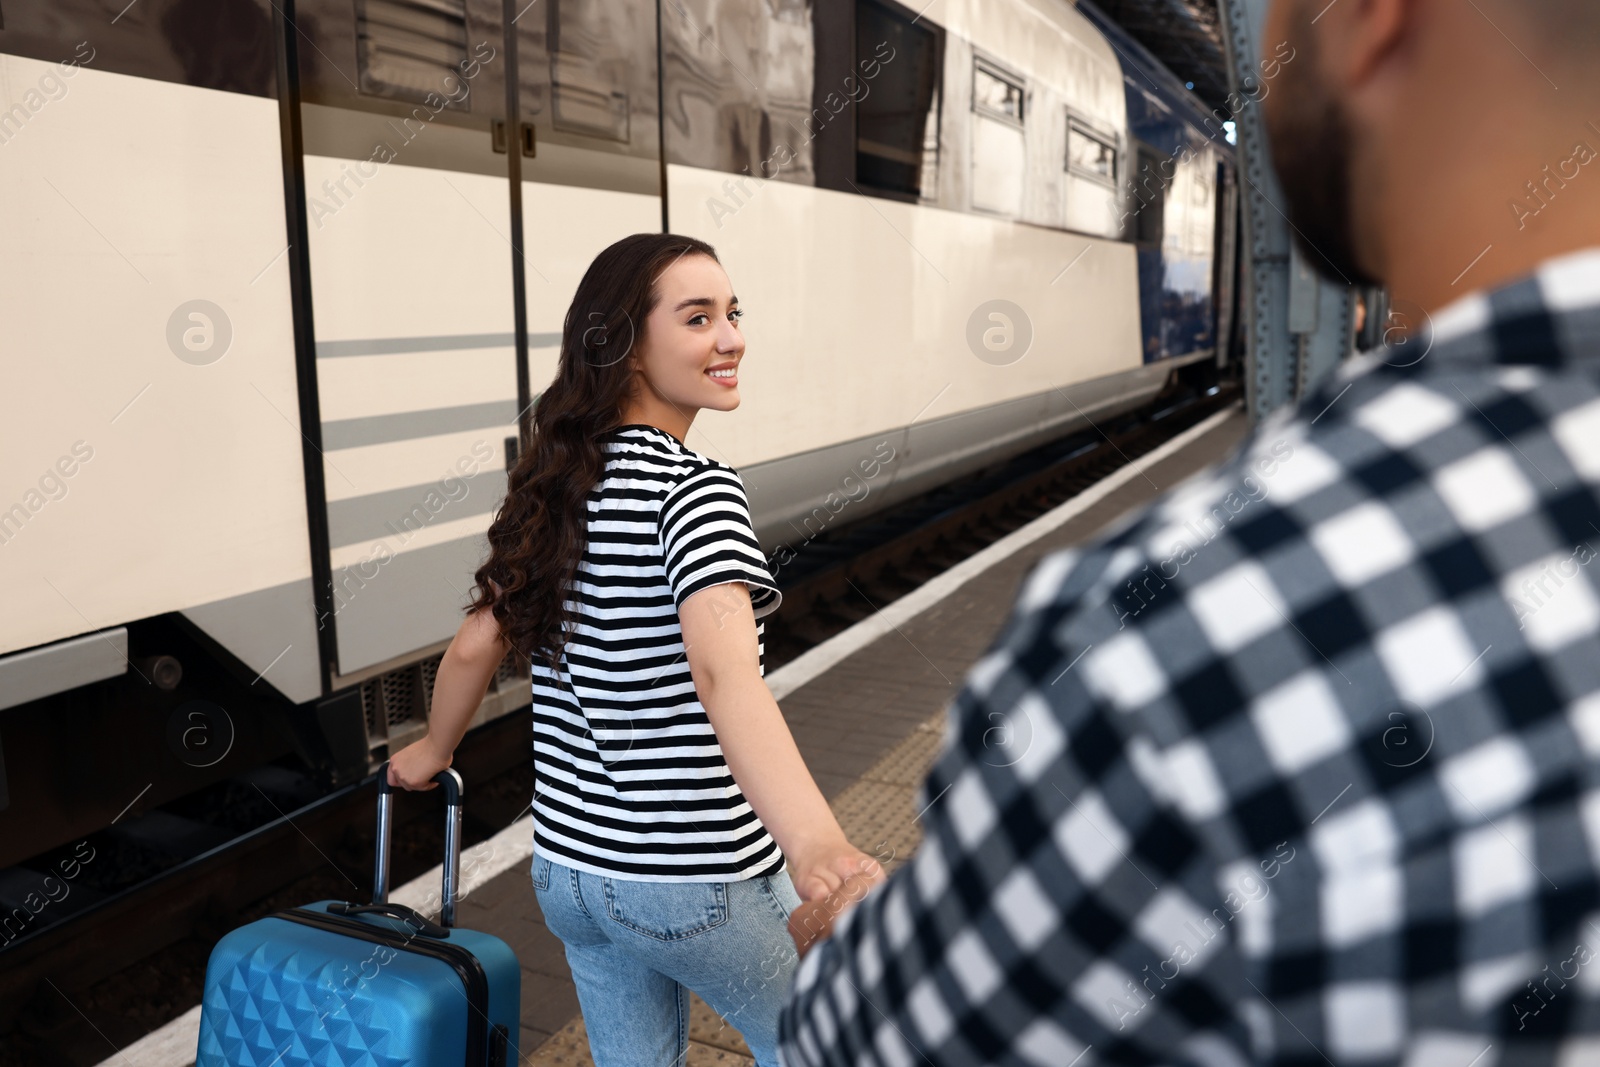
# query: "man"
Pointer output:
{"type": "Point", "coordinates": [1303, 764]}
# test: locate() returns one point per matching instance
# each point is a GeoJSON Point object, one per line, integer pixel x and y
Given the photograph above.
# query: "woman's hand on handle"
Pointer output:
{"type": "Point", "coordinates": [414, 766]}
{"type": "Point", "coordinates": [458, 688]}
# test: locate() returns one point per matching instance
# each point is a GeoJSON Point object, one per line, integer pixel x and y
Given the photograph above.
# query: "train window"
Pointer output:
{"type": "Point", "coordinates": [1090, 154]}
{"type": "Point", "coordinates": [897, 69]}
{"type": "Point", "coordinates": [411, 49]}
{"type": "Point", "coordinates": [999, 154]}
{"type": "Point", "coordinates": [995, 93]}
{"type": "Point", "coordinates": [588, 69]}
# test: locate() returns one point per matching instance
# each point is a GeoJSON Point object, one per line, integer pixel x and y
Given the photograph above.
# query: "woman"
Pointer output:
{"type": "Point", "coordinates": [669, 795]}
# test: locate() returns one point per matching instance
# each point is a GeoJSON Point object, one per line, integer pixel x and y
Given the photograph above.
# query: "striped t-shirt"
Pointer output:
{"type": "Point", "coordinates": [629, 780]}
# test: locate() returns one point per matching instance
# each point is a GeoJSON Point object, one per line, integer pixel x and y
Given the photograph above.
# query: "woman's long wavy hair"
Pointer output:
{"type": "Point", "coordinates": [537, 538]}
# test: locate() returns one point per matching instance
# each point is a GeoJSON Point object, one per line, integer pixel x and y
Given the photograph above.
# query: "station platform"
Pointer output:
{"type": "Point", "coordinates": [867, 708]}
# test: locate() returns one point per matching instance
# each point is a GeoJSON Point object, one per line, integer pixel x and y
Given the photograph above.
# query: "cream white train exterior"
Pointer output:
{"type": "Point", "coordinates": [261, 329]}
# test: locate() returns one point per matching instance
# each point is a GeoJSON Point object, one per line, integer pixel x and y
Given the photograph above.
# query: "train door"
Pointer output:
{"type": "Point", "coordinates": [1149, 234]}
{"type": "Point", "coordinates": [588, 92]}
{"type": "Point", "coordinates": [408, 221]}
{"type": "Point", "coordinates": [442, 223]}
{"type": "Point", "coordinates": [1225, 285]}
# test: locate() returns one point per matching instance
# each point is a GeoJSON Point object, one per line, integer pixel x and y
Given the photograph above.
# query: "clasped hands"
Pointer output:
{"type": "Point", "coordinates": [829, 889]}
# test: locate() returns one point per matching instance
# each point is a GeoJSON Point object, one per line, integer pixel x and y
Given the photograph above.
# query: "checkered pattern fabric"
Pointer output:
{"type": "Point", "coordinates": [1295, 767]}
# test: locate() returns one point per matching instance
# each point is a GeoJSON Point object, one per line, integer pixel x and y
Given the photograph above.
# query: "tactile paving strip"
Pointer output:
{"type": "Point", "coordinates": [878, 812]}
{"type": "Point", "coordinates": [708, 1028]}
{"type": "Point", "coordinates": [569, 1046]}
{"type": "Point", "coordinates": [877, 815]}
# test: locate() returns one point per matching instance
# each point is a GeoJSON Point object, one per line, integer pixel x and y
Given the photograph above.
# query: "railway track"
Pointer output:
{"type": "Point", "coordinates": [136, 958]}
{"type": "Point", "coordinates": [839, 579]}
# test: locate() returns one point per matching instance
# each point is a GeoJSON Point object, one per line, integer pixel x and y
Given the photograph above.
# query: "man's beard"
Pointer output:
{"type": "Point", "coordinates": [1309, 136]}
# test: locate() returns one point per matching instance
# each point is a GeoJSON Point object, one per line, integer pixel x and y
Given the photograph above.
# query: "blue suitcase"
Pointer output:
{"type": "Point", "coordinates": [337, 984]}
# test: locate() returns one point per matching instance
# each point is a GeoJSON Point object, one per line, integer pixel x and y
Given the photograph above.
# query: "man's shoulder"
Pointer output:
{"type": "Point", "coordinates": [1282, 459]}
{"type": "Point", "coordinates": [1336, 473]}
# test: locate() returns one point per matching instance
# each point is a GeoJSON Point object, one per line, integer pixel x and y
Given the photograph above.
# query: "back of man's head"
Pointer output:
{"type": "Point", "coordinates": [1417, 138]}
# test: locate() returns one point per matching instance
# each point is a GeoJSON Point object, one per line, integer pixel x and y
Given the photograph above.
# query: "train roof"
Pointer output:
{"type": "Point", "coordinates": [1185, 35]}
{"type": "Point", "coordinates": [1141, 67]}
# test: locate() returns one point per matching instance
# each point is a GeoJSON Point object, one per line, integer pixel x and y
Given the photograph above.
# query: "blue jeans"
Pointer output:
{"type": "Point", "coordinates": [635, 948]}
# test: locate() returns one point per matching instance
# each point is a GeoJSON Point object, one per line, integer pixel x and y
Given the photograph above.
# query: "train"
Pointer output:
{"type": "Point", "coordinates": [283, 280]}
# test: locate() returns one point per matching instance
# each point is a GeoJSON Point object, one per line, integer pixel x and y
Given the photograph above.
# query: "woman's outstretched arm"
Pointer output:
{"type": "Point", "coordinates": [720, 642]}
{"type": "Point", "coordinates": [464, 674]}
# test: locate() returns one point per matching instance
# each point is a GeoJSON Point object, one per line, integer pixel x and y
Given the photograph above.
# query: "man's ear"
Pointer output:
{"type": "Point", "coordinates": [1357, 36]}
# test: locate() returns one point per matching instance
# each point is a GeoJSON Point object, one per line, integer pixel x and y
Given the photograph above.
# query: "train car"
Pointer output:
{"type": "Point", "coordinates": [1181, 206]}
{"type": "Point", "coordinates": [282, 281]}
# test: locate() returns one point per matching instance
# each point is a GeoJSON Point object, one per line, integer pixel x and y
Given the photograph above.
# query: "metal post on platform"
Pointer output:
{"type": "Point", "coordinates": [1299, 325]}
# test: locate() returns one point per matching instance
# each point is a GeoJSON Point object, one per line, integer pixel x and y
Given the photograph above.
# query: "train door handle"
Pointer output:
{"type": "Point", "coordinates": [497, 133]}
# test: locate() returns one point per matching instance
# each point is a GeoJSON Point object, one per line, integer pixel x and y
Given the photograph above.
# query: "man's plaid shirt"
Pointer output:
{"type": "Point", "coordinates": [1298, 766]}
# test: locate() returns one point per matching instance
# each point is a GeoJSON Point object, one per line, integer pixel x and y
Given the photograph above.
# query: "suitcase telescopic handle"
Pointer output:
{"type": "Point", "coordinates": [453, 789]}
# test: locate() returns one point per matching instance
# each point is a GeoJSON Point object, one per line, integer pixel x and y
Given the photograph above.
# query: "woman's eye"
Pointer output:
{"type": "Point", "coordinates": [736, 314]}
{"type": "Point", "coordinates": [696, 320]}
